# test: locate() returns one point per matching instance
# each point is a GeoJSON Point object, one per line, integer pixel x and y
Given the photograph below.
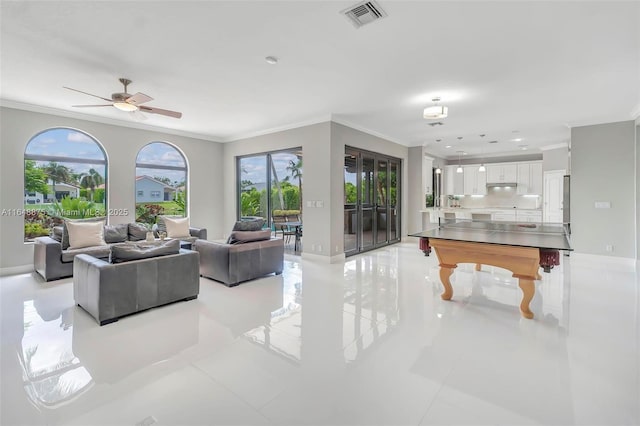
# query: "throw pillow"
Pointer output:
{"type": "Point", "coordinates": [177, 228]}
{"type": "Point", "coordinates": [127, 252]}
{"type": "Point", "coordinates": [161, 226]}
{"type": "Point", "coordinates": [85, 234]}
{"type": "Point", "coordinates": [137, 231]}
{"type": "Point", "coordinates": [65, 233]}
{"type": "Point", "coordinates": [241, 237]}
{"type": "Point", "coordinates": [249, 225]}
{"type": "Point", "coordinates": [116, 233]}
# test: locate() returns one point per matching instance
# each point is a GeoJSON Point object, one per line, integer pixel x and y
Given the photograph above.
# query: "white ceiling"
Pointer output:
{"type": "Point", "coordinates": [537, 68]}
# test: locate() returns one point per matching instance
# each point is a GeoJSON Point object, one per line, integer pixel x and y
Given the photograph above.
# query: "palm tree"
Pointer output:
{"type": "Point", "coordinates": [57, 173]}
{"type": "Point", "coordinates": [91, 180]}
{"type": "Point", "coordinates": [295, 168]}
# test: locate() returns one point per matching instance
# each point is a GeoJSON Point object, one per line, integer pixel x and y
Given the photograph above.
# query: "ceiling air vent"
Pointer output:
{"type": "Point", "coordinates": [364, 13]}
{"type": "Point", "coordinates": [437, 123]}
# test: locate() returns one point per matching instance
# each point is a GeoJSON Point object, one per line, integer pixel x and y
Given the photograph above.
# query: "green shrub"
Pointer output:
{"type": "Point", "coordinates": [75, 208]}
{"type": "Point", "coordinates": [285, 212]}
{"type": "Point", "coordinates": [148, 213]}
{"type": "Point", "coordinates": [33, 230]}
{"type": "Point", "coordinates": [98, 195]}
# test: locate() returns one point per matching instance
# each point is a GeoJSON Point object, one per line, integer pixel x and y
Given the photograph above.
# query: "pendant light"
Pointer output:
{"type": "Point", "coordinates": [482, 168]}
{"type": "Point", "coordinates": [459, 169]}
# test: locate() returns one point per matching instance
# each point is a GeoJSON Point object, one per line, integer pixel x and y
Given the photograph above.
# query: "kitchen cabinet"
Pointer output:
{"type": "Point", "coordinates": [500, 173]}
{"type": "Point", "coordinates": [529, 179]}
{"type": "Point", "coordinates": [453, 181]}
{"type": "Point", "coordinates": [534, 216]}
{"type": "Point", "coordinates": [504, 216]}
{"type": "Point", "coordinates": [475, 182]}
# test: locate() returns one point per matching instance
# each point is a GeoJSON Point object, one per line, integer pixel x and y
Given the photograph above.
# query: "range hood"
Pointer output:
{"type": "Point", "coordinates": [501, 184]}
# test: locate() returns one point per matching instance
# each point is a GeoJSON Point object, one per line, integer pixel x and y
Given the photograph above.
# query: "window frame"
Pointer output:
{"type": "Point", "coordinates": [63, 159]}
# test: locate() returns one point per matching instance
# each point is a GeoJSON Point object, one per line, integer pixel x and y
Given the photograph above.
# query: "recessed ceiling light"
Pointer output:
{"type": "Point", "coordinates": [448, 146]}
{"type": "Point", "coordinates": [517, 140]}
{"type": "Point", "coordinates": [271, 60]}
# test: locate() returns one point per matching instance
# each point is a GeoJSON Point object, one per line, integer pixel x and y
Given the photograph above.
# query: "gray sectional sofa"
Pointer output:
{"type": "Point", "coordinates": [137, 278]}
{"type": "Point", "coordinates": [53, 259]}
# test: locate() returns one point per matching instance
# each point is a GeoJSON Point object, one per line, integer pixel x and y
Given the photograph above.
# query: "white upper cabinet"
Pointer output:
{"type": "Point", "coordinates": [475, 182]}
{"type": "Point", "coordinates": [453, 181]}
{"type": "Point", "coordinates": [529, 179]}
{"type": "Point", "coordinates": [499, 173]}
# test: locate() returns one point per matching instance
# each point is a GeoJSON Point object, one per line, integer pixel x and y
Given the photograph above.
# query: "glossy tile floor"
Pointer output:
{"type": "Point", "coordinates": [365, 342]}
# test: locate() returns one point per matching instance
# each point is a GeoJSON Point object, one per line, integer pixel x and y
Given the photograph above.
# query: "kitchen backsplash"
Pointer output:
{"type": "Point", "coordinates": [498, 197]}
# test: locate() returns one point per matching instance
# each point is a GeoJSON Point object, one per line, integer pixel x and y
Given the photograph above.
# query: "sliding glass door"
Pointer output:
{"type": "Point", "coordinates": [270, 182]}
{"type": "Point", "coordinates": [371, 199]}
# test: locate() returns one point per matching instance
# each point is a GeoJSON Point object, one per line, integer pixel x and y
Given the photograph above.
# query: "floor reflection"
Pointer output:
{"type": "Point", "coordinates": [53, 375]}
{"type": "Point", "coordinates": [371, 297]}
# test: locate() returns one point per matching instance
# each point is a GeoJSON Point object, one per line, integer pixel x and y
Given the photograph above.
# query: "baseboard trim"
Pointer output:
{"type": "Point", "coordinates": [623, 261]}
{"type": "Point", "coordinates": [339, 258]}
{"type": "Point", "coordinates": [15, 270]}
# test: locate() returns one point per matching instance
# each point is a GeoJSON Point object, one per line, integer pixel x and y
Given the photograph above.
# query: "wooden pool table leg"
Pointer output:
{"type": "Point", "coordinates": [445, 273]}
{"type": "Point", "coordinates": [528, 290]}
{"type": "Point", "coordinates": [478, 267]}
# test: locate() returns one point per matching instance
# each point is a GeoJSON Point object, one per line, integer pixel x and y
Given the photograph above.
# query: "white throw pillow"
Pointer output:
{"type": "Point", "coordinates": [177, 227]}
{"type": "Point", "coordinates": [85, 234]}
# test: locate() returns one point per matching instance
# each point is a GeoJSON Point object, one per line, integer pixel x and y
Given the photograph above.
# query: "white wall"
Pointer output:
{"type": "Point", "coordinates": [556, 159]}
{"type": "Point", "coordinates": [603, 168]}
{"type": "Point", "coordinates": [414, 189]}
{"type": "Point", "coordinates": [638, 188]}
{"type": "Point", "coordinates": [122, 144]}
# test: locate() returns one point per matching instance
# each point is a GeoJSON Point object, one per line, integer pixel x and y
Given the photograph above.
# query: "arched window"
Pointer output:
{"type": "Point", "coordinates": [65, 176]}
{"type": "Point", "coordinates": [161, 182]}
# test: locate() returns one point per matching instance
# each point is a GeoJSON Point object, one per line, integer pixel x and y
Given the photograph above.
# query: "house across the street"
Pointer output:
{"type": "Point", "coordinates": [149, 189]}
{"type": "Point", "coordinates": [62, 190]}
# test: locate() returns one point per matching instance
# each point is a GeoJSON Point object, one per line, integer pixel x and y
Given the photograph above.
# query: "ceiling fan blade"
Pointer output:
{"type": "Point", "coordinates": [166, 112]}
{"type": "Point", "coordinates": [95, 96]}
{"type": "Point", "coordinates": [90, 106]}
{"type": "Point", "coordinates": [138, 98]}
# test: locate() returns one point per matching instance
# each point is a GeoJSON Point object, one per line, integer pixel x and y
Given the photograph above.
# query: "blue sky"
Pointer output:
{"type": "Point", "coordinates": [71, 143]}
{"type": "Point", "coordinates": [255, 168]}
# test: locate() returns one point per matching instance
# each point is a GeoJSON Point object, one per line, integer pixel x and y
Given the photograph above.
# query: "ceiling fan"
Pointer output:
{"type": "Point", "coordinates": [128, 102]}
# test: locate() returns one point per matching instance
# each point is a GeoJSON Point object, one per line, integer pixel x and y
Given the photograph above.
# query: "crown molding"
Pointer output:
{"type": "Point", "coordinates": [103, 120]}
{"type": "Point", "coordinates": [368, 131]}
{"type": "Point", "coordinates": [317, 120]}
{"type": "Point", "coordinates": [635, 112]}
{"type": "Point", "coordinates": [554, 146]}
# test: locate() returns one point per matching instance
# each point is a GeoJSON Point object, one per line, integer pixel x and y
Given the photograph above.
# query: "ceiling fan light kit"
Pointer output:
{"type": "Point", "coordinates": [124, 106]}
{"type": "Point", "coordinates": [123, 101]}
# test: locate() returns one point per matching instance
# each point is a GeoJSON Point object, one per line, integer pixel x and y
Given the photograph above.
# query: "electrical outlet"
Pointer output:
{"type": "Point", "coordinates": [313, 247]}
{"type": "Point", "coordinates": [337, 249]}
{"type": "Point", "coordinates": [609, 248]}
{"type": "Point", "coordinates": [319, 248]}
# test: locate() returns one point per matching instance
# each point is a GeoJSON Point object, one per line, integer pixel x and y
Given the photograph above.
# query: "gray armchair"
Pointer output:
{"type": "Point", "coordinates": [232, 264]}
